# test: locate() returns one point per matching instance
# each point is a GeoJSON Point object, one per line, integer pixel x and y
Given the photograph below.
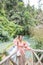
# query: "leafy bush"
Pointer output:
{"type": "Point", "coordinates": [37, 33]}
{"type": "Point", "coordinates": [0, 58]}
{"type": "Point", "coordinates": [8, 29]}
{"type": "Point", "coordinates": [38, 36]}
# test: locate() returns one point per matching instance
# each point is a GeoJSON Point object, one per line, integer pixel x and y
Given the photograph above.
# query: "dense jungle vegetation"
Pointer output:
{"type": "Point", "coordinates": [17, 19]}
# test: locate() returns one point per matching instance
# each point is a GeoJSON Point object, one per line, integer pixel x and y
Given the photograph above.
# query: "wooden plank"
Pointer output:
{"type": "Point", "coordinates": [13, 62]}
{"type": "Point", "coordinates": [41, 57]}
{"type": "Point", "coordinates": [4, 60]}
{"type": "Point", "coordinates": [37, 50]}
{"type": "Point", "coordinates": [37, 59]}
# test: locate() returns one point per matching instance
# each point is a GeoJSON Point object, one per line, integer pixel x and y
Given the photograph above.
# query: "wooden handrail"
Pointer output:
{"type": "Point", "coordinates": [37, 50]}
{"type": "Point", "coordinates": [8, 57]}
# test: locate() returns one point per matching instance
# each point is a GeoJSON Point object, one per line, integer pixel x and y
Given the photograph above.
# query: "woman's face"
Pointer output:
{"type": "Point", "coordinates": [21, 37]}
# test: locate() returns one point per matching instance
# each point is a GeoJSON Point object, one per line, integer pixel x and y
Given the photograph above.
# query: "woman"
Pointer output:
{"type": "Point", "coordinates": [21, 48]}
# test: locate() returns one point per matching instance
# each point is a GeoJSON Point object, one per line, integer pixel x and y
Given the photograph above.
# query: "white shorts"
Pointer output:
{"type": "Point", "coordinates": [18, 53]}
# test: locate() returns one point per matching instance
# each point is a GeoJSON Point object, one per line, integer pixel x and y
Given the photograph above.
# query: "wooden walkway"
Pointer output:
{"type": "Point", "coordinates": [29, 61]}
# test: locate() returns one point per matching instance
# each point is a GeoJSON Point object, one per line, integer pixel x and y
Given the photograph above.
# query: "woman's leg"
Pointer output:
{"type": "Point", "coordinates": [21, 60]}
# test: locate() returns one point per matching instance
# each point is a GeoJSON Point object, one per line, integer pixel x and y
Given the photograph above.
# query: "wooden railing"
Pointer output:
{"type": "Point", "coordinates": [39, 57]}
{"type": "Point", "coordinates": [36, 59]}
{"type": "Point", "coordinates": [34, 52]}
{"type": "Point", "coordinates": [6, 61]}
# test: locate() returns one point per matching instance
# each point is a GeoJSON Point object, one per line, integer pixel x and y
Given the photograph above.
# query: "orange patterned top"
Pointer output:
{"type": "Point", "coordinates": [21, 46]}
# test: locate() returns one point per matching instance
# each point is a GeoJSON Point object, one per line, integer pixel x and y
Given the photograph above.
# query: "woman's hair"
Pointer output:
{"type": "Point", "coordinates": [18, 36]}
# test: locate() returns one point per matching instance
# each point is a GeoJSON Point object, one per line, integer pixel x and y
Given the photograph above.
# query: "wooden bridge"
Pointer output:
{"type": "Point", "coordinates": [39, 61]}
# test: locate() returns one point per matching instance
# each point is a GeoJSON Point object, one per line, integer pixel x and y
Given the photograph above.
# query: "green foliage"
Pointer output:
{"type": "Point", "coordinates": [37, 33]}
{"type": "Point", "coordinates": [16, 19]}
{"type": "Point", "coordinates": [0, 58]}
{"type": "Point", "coordinates": [3, 33]}
{"type": "Point", "coordinates": [8, 29]}
{"type": "Point", "coordinates": [21, 6]}
{"type": "Point", "coordinates": [20, 0]}
{"type": "Point", "coordinates": [10, 4]}
{"type": "Point", "coordinates": [36, 45]}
